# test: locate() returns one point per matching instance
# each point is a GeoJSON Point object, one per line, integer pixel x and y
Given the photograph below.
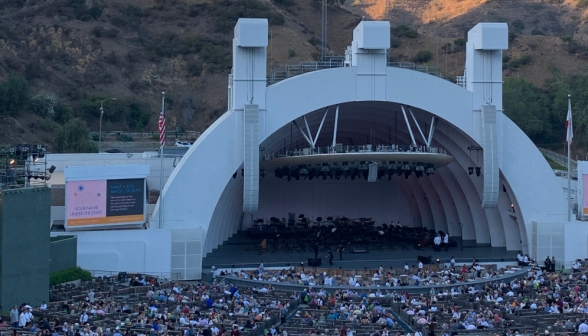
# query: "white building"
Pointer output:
{"type": "Point", "coordinates": [482, 178]}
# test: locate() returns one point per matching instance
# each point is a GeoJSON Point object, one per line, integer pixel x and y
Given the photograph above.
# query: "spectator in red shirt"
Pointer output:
{"type": "Point", "coordinates": [343, 330]}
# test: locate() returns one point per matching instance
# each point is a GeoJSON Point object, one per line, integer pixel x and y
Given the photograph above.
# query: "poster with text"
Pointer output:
{"type": "Point", "coordinates": [105, 202]}
{"type": "Point", "coordinates": [585, 194]}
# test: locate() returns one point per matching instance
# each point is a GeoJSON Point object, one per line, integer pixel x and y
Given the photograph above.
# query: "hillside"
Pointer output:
{"type": "Point", "coordinates": [75, 53]}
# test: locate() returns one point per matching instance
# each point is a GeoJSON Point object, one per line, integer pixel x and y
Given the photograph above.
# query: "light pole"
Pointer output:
{"type": "Point", "coordinates": [101, 113]}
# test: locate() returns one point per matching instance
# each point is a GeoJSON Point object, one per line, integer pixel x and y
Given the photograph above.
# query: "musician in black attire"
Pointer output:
{"type": "Point", "coordinates": [316, 250]}
{"type": "Point", "coordinates": [548, 264]}
{"type": "Point", "coordinates": [330, 256]}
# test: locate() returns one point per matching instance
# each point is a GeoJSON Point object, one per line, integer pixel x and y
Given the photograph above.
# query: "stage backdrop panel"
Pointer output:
{"type": "Point", "coordinates": [383, 201]}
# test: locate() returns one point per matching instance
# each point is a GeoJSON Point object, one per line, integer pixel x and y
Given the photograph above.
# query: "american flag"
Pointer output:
{"type": "Point", "coordinates": [161, 124]}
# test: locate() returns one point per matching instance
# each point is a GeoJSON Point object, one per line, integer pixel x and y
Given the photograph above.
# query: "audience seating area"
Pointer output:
{"type": "Point", "coordinates": [540, 302]}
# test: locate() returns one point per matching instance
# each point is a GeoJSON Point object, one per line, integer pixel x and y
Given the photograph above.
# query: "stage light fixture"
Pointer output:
{"type": "Point", "coordinates": [235, 175]}
{"type": "Point", "coordinates": [325, 167]}
{"type": "Point", "coordinates": [430, 170]}
{"type": "Point", "coordinates": [470, 170]}
{"type": "Point", "coordinates": [12, 161]}
{"type": "Point", "coordinates": [51, 169]}
{"type": "Point", "coordinates": [478, 171]}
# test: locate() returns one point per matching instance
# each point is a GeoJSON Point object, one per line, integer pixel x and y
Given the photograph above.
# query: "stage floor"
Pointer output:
{"type": "Point", "coordinates": [241, 251]}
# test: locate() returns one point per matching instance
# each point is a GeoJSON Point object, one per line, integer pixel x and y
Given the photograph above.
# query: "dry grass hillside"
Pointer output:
{"type": "Point", "coordinates": [82, 51]}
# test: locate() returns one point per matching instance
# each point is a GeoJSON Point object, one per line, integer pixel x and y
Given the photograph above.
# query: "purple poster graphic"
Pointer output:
{"type": "Point", "coordinates": [86, 199]}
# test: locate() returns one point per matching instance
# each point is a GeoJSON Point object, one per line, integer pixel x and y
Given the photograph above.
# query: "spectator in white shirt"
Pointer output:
{"type": "Point", "coordinates": [22, 320]}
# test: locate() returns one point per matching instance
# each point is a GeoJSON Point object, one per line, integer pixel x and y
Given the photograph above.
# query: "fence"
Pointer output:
{"type": "Point", "coordinates": [159, 275]}
{"type": "Point", "coordinates": [281, 73]}
{"type": "Point", "coordinates": [147, 135]}
{"type": "Point", "coordinates": [410, 289]}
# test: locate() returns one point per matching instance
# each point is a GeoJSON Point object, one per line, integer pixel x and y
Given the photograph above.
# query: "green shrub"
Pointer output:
{"type": "Point", "coordinates": [422, 56]}
{"type": "Point", "coordinates": [132, 10]}
{"type": "Point", "coordinates": [285, 3]}
{"type": "Point", "coordinates": [74, 137]}
{"type": "Point", "coordinates": [124, 137]}
{"type": "Point", "coordinates": [537, 32]}
{"type": "Point", "coordinates": [395, 43]}
{"type": "Point", "coordinates": [313, 41]}
{"type": "Point", "coordinates": [518, 25]}
{"type": "Point", "coordinates": [194, 68]}
{"type": "Point", "coordinates": [574, 47]}
{"type": "Point", "coordinates": [63, 113]}
{"type": "Point", "coordinates": [511, 36]}
{"type": "Point", "coordinates": [582, 3]}
{"type": "Point", "coordinates": [227, 12]}
{"type": "Point", "coordinates": [44, 104]}
{"type": "Point", "coordinates": [520, 61]}
{"type": "Point", "coordinates": [291, 53]}
{"type": "Point", "coordinates": [140, 114]}
{"type": "Point", "coordinates": [404, 31]}
{"type": "Point", "coordinates": [69, 274]}
{"type": "Point", "coordinates": [460, 42]}
{"type": "Point", "coordinates": [14, 95]}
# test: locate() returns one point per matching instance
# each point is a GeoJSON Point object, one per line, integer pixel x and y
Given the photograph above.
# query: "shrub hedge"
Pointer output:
{"type": "Point", "coordinates": [69, 274]}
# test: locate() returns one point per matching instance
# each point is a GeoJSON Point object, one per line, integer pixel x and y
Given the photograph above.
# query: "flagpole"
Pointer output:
{"type": "Point", "coordinates": [162, 143]}
{"type": "Point", "coordinates": [569, 161]}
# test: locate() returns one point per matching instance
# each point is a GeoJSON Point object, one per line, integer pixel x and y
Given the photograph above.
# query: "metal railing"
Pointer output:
{"type": "Point", "coordinates": [148, 135]}
{"type": "Point", "coordinates": [506, 277]}
{"type": "Point", "coordinates": [355, 149]}
{"type": "Point", "coordinates": [561, 159]}
{"type": "Point", "coordinates": [279, 74]}
{"type": "Point", "coordinates": [159, 275]}
{"type": "Point", "coordinates": [461, 81]}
